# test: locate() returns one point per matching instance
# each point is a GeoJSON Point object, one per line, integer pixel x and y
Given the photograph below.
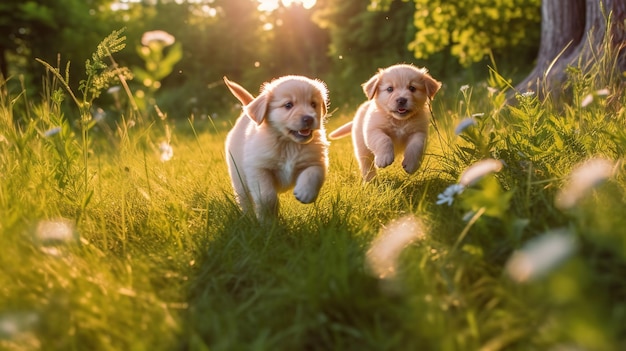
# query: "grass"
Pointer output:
{"type": "Point", "coordinates": [107, 247]}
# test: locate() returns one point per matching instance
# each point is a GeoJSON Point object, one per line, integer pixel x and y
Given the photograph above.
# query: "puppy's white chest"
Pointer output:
{"type": "Point", "coordinates": [286, 172]}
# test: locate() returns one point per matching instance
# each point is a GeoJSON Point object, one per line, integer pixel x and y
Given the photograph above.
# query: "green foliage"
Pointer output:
{"type": "Point", "coordinates": [355, 33]}
{"type": "Point", "coordinates": [101, 75]}
{"type": "Point", "coordinates": [472, 29]}
{"type": "Point", "coordinates": [151, 253]}
{"type": "Point", "coordinates": [329, 41]}
{"type": "Point", "coordinates": [159, 63]}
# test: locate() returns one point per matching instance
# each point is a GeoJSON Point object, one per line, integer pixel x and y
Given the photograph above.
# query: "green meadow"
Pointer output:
{"type": "Point", "coordinates": [125, 235]}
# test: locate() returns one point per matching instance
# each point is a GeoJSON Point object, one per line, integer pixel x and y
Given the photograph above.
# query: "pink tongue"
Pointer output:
{"type": "Point", "coordinates": [401, 110]}
{"type": "Point", "coordinates": [304, 132]}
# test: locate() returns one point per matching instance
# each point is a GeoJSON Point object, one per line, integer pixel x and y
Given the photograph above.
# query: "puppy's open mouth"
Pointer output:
{"type": "Point", "coordinates": [302, 135]}
{"type": "Point", "coordinates": [402, 112]}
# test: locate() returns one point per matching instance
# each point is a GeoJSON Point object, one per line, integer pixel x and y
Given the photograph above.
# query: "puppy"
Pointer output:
{"type": "Point", "coordinates": [278, 143]}
{"type": "Point", "coordinates": [394, 119]}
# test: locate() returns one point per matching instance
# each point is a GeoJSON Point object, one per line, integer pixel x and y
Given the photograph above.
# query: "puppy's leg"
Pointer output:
{"type": "Point", "coordinates": [381, 146]}
{"type": "Point", "coordinates": [308, 184]}
{"type": "Point", "coordinates": [414, 152]}
{"type": "Point", "coordinates": [263, 192]}
{"type": "Point", "coordinates": [238, 182]}
{"type": "Point", "coordinates": [364, 156]}
{"type": "Point", "coordinates": [366, 165]}
{"type": "Point", "coordinates": [241, 196]}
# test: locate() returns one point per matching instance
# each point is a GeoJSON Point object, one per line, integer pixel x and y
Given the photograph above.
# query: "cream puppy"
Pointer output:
{"type": "Point", "coordinates": [394, 119]}
{"type": "Point", "coordinates": [278, 143]}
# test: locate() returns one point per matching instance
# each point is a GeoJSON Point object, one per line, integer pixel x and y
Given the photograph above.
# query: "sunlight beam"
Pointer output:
{"type": "Point", "coordinates": [271, 5]}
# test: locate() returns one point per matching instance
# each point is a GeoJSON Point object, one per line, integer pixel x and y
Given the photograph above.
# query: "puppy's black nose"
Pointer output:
{"type": "Point", "coordinates": [401, 101]}
{"type": "Point", "coordinates": [307, 120]}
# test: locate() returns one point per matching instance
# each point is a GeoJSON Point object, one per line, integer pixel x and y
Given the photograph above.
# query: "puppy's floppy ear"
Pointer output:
{"type": "Point", "coordinates": [432, 86]}
{"type": "Point", "coordinates": [371, 86]}
{"type": "Point", "coordinates": [257, 109]}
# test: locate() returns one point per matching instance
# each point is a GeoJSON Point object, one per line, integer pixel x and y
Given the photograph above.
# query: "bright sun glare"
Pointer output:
{"type": "Point", "coordinates": [271, 5]}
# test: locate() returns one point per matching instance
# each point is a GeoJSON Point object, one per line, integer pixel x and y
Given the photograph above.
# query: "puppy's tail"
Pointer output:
{"type": "Point", "coordinates": [240, 92]}
{"type": "Point", "coordinates": [341, 131]}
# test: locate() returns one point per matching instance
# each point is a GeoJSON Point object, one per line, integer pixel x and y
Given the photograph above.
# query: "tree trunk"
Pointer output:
{"type": "Point", "coordinates": [574, 33]}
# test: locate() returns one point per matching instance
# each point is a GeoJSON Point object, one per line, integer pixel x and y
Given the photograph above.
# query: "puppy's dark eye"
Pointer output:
{"type": "Point", "coordinates": [390, 89]}
{"type": "Point", "coordinates": [412, 88]}
{"type": "Point", "coordinates": [314, 104]}
{"type": "Point", "coordinates": [289, 105]}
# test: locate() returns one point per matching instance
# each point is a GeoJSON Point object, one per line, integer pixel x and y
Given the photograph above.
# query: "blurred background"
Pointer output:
{"type": "Point", "coordinates": [342, 42]}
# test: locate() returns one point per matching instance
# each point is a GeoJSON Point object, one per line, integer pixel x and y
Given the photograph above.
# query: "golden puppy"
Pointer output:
{"type": "Point", "coordinates": [278, 143]}
{"type": "Point", "coordinates": [394, 119]}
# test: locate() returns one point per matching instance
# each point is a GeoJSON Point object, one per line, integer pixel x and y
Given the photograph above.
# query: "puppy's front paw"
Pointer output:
{"type": "Point", "coordinates": [305, 196]}
{"type": "Point", "coordinates": [383, 161]}
{"type": "Point", "coordinates": [410, 166]}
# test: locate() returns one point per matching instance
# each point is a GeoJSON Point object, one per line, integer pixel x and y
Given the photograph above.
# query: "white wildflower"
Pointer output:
{"type": "Point", "coordinates": [528, 94]}
{"type": "Point", "coordinates": [583, 178]}
{"type": "Point", "coordinates": [491, 91]}
{"type": "Point", "coordinates": [160, 36]}
{"type": "Point", "coordinates": [382, 256]}
{"type": "Point", "coordinates": [19, 324]}
{"type": "Point", "coordinates": [586, 100]}
{"type": "Point", "coordinates": [448, 195]}
{"type": "Point", "coordinates": [54, 235]}
{"type": "Point", "coordinates": [52, 131]}
{"type": "Point", "coordinates": [603, 92]}
{"type": "Point", "coordinates": [464, 124]}
{"type": "Point", "coordinates": [98, 114]}
{"type": "Point", "coordinates": [478, 170]}
{"type": "Point", "coordinates": [55, 230]}
{"type": "Point", "coordinates": [166, 151]}
{"type": "Point", "coordinates": [464, 88]}
{"type": "Point", "coordinates": [114, 90]}
{"type": "Point", "coordinates": [541, 255]}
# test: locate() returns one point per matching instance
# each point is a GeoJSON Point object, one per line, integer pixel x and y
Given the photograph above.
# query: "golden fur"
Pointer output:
{"type": "Point", "coordinates": [278, 143]}
{"type": "Point", "coordinates": [394, 119]}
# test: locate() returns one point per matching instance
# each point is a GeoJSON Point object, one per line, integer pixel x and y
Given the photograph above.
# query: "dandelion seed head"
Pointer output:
{"type": "Point", "coordinates": [166, 151]}
{"type": "Point", "coordinates": [541, 255]}
{"type": "Point", "coordinates": [464, 124]}
{"type": "Point", "coordinates": [584, 177]}
{"type": "Point", "coordinates": [159, 36]}
{"type": "Point", "coordinates": [478, 170]}
{"type": "Point", "coordinates": [382, 256]}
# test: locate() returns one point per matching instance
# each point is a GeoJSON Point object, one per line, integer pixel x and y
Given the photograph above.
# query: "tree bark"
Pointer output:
{"type": "Point", "coordinates": [575, 33]}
